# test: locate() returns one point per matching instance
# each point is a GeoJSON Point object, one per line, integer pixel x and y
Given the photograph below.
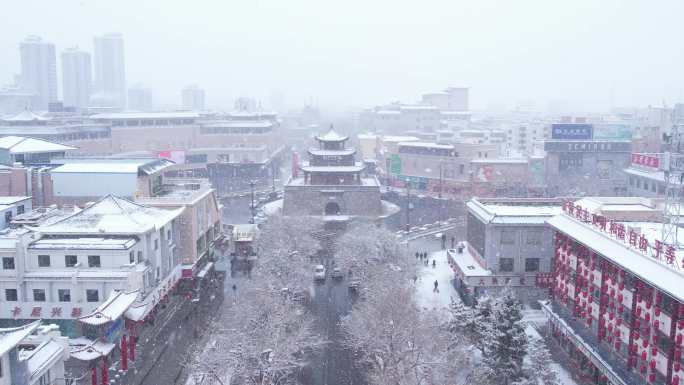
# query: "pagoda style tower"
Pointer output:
{"type": "Point", "coordinates": [333, 183]}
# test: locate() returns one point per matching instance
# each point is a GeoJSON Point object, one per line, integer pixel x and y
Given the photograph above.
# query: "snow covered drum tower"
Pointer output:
{"type": "Point", "coordinates": [333, 183]}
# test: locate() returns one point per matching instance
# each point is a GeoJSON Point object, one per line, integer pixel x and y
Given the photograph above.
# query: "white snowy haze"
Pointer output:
{"type": "Point", "coordinates": [589, 54]}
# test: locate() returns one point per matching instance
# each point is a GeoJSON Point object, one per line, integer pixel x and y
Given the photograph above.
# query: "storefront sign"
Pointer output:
{"type": "Point", "coordinates": [572, 131]}
{"type": "Point", "coordinates": [587, 146]}
{"type": "Point", "coordinates": [646, 160]}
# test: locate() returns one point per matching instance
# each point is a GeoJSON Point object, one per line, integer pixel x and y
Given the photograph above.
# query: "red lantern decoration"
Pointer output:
{"type": "Point", "coordinates": [643, 368]}
{"type": "Point", "coordinates": [620, 298]}
{"type": "Point", "coordinates": [652, 364]}
{"type": "Point", "coordinates": [651, 377]}
{"type": "Point", "coordinates": [677, 366]}
{"type": "Point", "coordinates": [648, 304]}
{"type": "Point", "coordinates": [618, 321]}
{"type": "Point", "coordinates": [678, 354]}
{"type": "Point", "coordinates": [647, 317]}
{"type": "Point", "coordinates": [656, 324]}
{"type": "Point", "coordinates": [679, 339]}
{"type": "Point", "coordinates": [654, 351]}
{"type": "Point", "coordinates": [643, 355]}
{"type": "Point", "coordinates": [644, 343]}
{"type": "Point", "coordinates": [638, 312]}
{"type": "Point", "coordinates": [680, 324]}
{"type": "Point", "coordinates": [655, 339]}
{"type": "Point", "coordinates": [675, 380]}
{"type": "Point", "coordinates": [617, 345]}
{"type": "Point", "coordinates": [610, 338]}
{"type": "Point", "coordinates": [621, 286]}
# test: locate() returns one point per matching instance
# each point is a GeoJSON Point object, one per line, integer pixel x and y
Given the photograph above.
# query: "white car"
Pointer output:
{"type": "Point", "coordinates": [319, 273]}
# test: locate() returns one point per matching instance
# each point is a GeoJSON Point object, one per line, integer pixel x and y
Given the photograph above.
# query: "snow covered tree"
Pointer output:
{"type": "Point", "coordinates": [365, 246]}
{"type": "Point", "coordinates": [505, 343]}
{"type": "Point", "coordinates": [398, 343]}
{"type": "Point", "coordinates": [285, 248]}
{"type": "Point", "coordinates": [260, 340]}
{"type": "Point", "coordinates": [462, 323]}
{"type": "Point", "coordinates": [483, 322]}
{"type": "Point", "coordinates": [538, 365]}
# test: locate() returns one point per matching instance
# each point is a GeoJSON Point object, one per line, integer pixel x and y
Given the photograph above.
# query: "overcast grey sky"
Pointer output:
{"type": "Point", "coordinates": [366, 52]}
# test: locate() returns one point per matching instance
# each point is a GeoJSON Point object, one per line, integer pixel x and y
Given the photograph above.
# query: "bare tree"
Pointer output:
{"type": "Point", "coordinates": [284, 249]}
{"type": "Point", "coordinates": [262, 339]}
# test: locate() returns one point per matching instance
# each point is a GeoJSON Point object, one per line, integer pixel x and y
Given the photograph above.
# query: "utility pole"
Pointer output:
{"type": "Point", "coordinates": [408, 206]}
{"type": "Point", "coordinates": [251, 206]}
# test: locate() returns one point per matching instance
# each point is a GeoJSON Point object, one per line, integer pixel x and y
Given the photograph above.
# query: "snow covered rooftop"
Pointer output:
{"type": "Point", "coordinates": [11, 337]}
{"type": "Point", "coordinates": [23, 145]}
{"type": "Point", "coordinates": [241, 123]}
{"type": "Point", "coordinates": [398, 139]}
{"type": "Point", "coordinates": [467, 263]}
{"type": "Point", "coordinates": [111, 216]}
{"type": "Point", "coordinates": [146, 115]}
{"type": "Point", "coordinates": [500, 161]}
{"type": "Point", "coordinates": [84, 349]}
{"type": "Point", "coordinates": [26, 116]}
{"type": "Point", "coordinates": [331, 136]}
{"type": "Point", "coordinates": [344, 152]}
{"type": "Point", "coordinates": [113, 308]}
{"type": "Point", "coordinates": [514, 212]}
{"type": "Point", "coordinates": [85, 243]}
{"type": "Point", "coordinates": [114, 166]}
{"type": "Point", "coordinates": [41, 357]}
{"type": "Point", "coordinates": [426, 145]}
{"type": "Point", "coordinates": [10, 200]}
{"type": "Point", "coordinates": [342, 169]}
{"type": "Point", "coordinates": [655, 175]}
{"type": "Point", "coordinates": [388, 112]}
{"type": "Point", "coordinates": [646, 268]}
{"type": "Point", "coordinates": [419, 107]}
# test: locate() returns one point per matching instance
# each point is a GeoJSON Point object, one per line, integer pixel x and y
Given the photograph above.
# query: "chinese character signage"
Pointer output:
{"type": "Point", "coordinates": [644, 160]}
{"type": "Point", "coordinates": [581, 131]}
{"type": "Point", "coordinates": [587, 146]}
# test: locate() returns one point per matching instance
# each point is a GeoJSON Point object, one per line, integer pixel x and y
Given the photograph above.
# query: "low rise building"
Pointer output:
{"type": "Point", "coordinates": [646, 175]}
{"type": "Point", "coordinates": [507, 243]}
{"type": "Point", "coordinates": [32, 354]}
{"type": "Point", "coordinates": [66, 265]}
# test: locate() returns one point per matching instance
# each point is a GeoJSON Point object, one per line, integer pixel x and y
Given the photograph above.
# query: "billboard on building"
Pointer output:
{"type": "Point", "coordinates": [176, 156]}
{"type": "Point", "coordinates": [572, 131]}
{"type": "Point", "coordinates": [613, 131]}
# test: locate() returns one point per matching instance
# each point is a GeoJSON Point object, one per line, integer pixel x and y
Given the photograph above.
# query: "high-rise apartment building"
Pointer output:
{"type": "Point", "coordinates": [110, 71]}
{"type": "Point", "coordinates": [139, 98]}
{"type": "Point", "coordinates": [39, 71]}
{"type": "Point", "coordinates": [193, 98]}
{"type": "Point", "coordinates": [76, 78]}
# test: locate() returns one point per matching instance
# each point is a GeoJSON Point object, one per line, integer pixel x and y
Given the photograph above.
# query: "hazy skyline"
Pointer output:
{"type": "Point", "coordinates": [361, 53]}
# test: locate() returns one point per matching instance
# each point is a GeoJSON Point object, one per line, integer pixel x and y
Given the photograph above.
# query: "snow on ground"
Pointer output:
{"type": "Point", "coordinates": [532, 318]}
{"type": "Point", "coordinates": [441, 273]}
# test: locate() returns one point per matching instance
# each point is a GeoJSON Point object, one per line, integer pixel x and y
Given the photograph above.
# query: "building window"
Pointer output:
{"type": "Point", "coordinates": [631, 181]}
{"type": "Point", "coordinates": [20, 209]}
{"type": "Point", "coordinates": [140, 257]}
{"type": "Point", "coordinates": [168, 235]}
{"type": "Point", "coordinates": [131, 257]}
{"type": "Point", "coordinates": [8, 263]}
{"type": "Point", "coordinates": [45, 378]}
{"type": "Point", "coordinates": [64, 295]}
{"type": "Point", "coordinates": [646, 185]}
{"type": "Point", "coordinates": [94, 261]}
{"type": "Point", "coordinates": [70, 260]}
{"type": "Point", "coordinates": [531, 264]}
{"type": "Point", "coordinates": [8, 216]}
{"type": "Point", "coordinates": [43, 261]}
{"type": "Point", "coordinates": [534, 237]}
{"type": "Point", "coordinates": [11, 295]}
{"type": "Point", "coordinates": [508, 237]}
{"type": "Point", "coordinates": [39, 295]}
{"type": "Point", "coordinates": [506, 265]}
{"type": "Point", "coordinates": [460, 169]}
{"type": "Point", "coordinates": [156, 244]}
{"type": "Point", "coordinates": [92, 295]}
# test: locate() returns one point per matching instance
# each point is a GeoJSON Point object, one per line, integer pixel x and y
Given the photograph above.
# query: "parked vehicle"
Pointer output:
{"type": "Point", "coordinates": [337, 273]}
{"type": "Point", "coordinates": [319, 273]}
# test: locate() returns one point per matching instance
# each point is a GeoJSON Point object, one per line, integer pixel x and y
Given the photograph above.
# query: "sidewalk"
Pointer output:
{"type": "Point", "coordinates": [442, 273]}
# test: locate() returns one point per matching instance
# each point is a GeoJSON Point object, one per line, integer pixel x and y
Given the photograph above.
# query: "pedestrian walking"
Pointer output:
{"type": "Point", "coordinates": [434, 262]}
{"type": "Point", "coordinates": [436, 289]}
{"type": "Point", "coordinates": [417, 255]}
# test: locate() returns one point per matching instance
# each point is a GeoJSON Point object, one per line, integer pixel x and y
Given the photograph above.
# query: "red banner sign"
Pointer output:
{"type": "Point", "coordinates": [646, 160]}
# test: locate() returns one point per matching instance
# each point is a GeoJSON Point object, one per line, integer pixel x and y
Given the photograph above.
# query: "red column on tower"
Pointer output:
{"type": "Point", "coordinates": [105, 372]}
{"type": "Point", "coordinates": [93, 378]}
{"type": "Point", "coordinates": [131, 348]}
{"type": "Point", "coordinates": [124, 353]}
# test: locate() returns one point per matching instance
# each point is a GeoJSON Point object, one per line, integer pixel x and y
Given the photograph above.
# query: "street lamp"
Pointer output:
{"type": "Point", "coordinates": [251, 206]}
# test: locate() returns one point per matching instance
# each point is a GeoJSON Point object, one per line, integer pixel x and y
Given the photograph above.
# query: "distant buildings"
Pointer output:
{"type": "Point", "coordinates": [451, 99]}
{"type": "Point", "coordinates": [76, 78]}
{"type": "Point", "coordinates": [140, 98]}
{"type": "Point", "coordinates": [39, 71]}
{"type": "Point", "coordinates": [192, 98]}
{"type": "Point", "coordinates": [110, 71]}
